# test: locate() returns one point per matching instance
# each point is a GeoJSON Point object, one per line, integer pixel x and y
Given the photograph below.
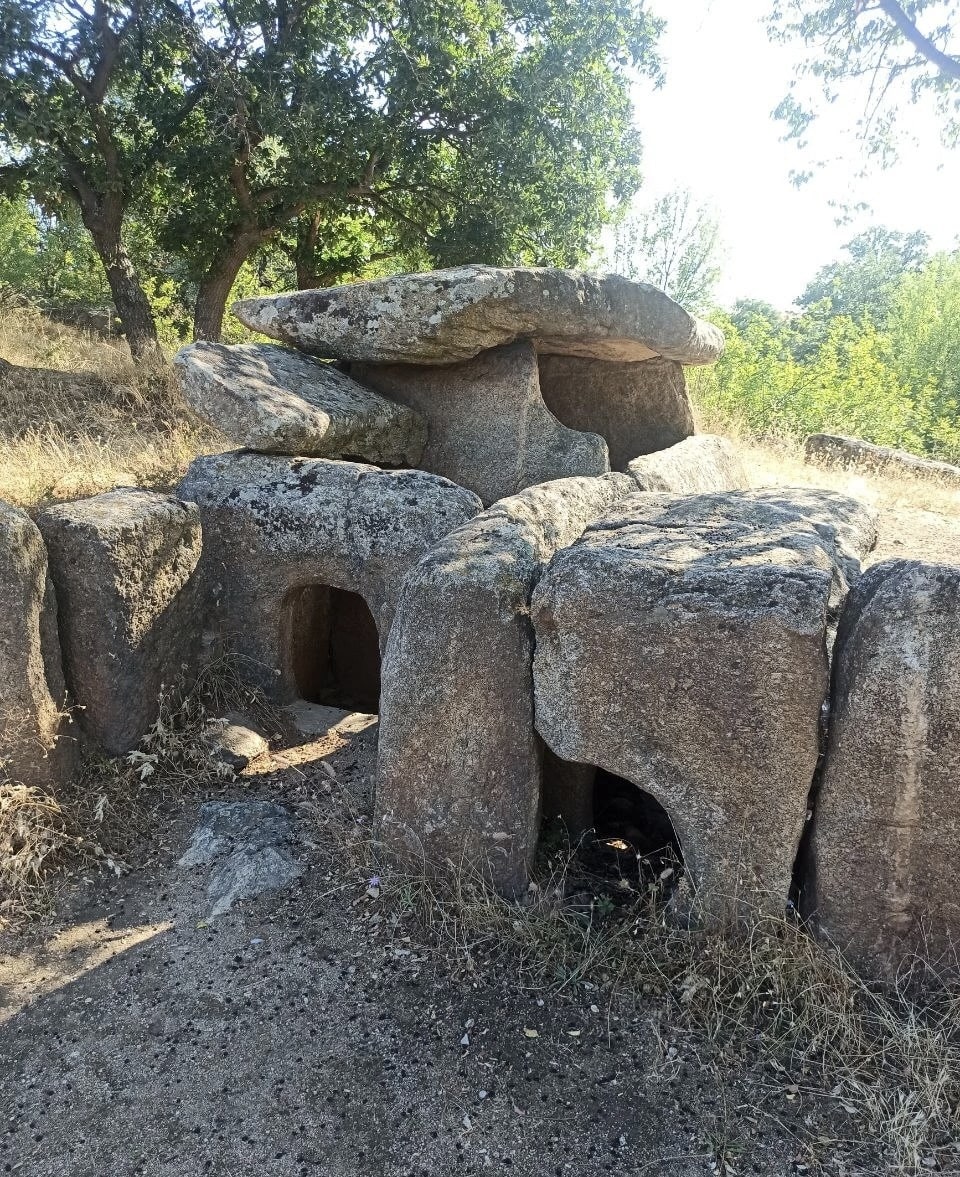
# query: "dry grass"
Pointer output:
{"type": "Point", "coordinates": [89, 420]}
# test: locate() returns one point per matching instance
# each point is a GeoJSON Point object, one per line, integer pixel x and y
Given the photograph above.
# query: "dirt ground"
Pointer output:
{"type": "Point", "coordinates": [315, 1031]}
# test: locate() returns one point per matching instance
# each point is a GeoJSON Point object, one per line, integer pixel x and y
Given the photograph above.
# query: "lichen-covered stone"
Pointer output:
{"type": "Point", "coordinates": [886, 835]}
{"type": "Point", "coordinates": [274, 400]}
{"type": "Point", "coordinates": [635, 407]}
{"type": "Point", "coordinates": [489, 429]}
{"type": "Point", "coordinates": [281, 533]}
{"type": "Point", "coordinates": [124, 565]}
{"type": "Point", "coordinates": [449, 315]}
{"type": "Point", "coordinates": [36, 746]}
{"type": "Point", "coordinates": [828, 449]}
{"type": "Point", "coordinates": [459, 764]}
{"type": "Point", "coordinates": [703, 464]}
{"type": "Point", "coordinates": [681, 644]}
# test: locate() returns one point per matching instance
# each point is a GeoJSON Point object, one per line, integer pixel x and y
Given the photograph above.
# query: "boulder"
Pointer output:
{"type": "Point", "coordinates": [459, 764]}
{"type": "Point", "coordinates": [36, 747]}
{"type": "Point", "coordinates": [489, 429]}
{"type": "Point", "coordinates": [124, 565]}
{"type": "Point", "coordinates": [886, 834]}
{"type": "Point", "coordinates": [276, 401]}
{"type": "Point", "coordinates": [702, 464]}
{"type": "Point", "coordinates": [681, 644]}
{"type": "Point", "coordinates": [635, 407]}
{"type": "Point", "coordinates": [304, 559]}
{"type": "Point", "coordinates": [449, 315]}
{"type": "Point", "coordinates": [828, 449]}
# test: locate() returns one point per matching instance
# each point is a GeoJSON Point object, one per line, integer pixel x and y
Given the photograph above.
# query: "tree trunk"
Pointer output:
{"type": "Point", "coordinates": [217, 283]}
{"type": "Point", "coordinates": [132, 305]}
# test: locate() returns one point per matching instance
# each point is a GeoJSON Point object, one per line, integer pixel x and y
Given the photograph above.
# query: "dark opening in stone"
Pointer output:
{"type": "Point", "coordinates": [334, 649]}
{"type": "Point", "coordinates": [629, 821]}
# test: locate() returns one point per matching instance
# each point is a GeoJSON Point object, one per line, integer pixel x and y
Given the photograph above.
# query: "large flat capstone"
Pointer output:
{"type": "Point", "coordinates": [681, 644]}
{"type": "Point", "coordinates": [489, 429]}
{"type": "Point", "coordinates": [449, 315]}
{"type": "Point", "coordinates": [124, 565]}
{"type": "Point", "coordinates": [274, 400]}
{"type": "Point", "coordinates": [459, 762]}
{"type": "Point", "coordinates": [886, 836]}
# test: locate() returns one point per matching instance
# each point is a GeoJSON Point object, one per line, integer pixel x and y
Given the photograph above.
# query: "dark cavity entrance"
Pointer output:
{"type": "Point", "coordinates": [622, 834]}
{"type": "Point", "coordinates": [334, 649]}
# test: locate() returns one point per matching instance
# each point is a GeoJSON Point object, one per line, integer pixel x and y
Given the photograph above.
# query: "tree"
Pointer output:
{"type": "Point", "coordinates": [892, 52]}
{"type": "Point", "coordinates": [675, 245]}
{"type": "Point", "coordinates": [863, 283]}
{"type": "Point", "coordinates": [478, 130]}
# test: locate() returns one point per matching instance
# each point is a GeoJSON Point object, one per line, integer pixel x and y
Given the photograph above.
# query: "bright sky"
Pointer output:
{"type": "Point", "coordinates": [710, 130]}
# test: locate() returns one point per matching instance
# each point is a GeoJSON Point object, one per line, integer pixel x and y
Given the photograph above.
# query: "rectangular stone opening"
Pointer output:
{"type": "Point", "coordinates": [333, 648]}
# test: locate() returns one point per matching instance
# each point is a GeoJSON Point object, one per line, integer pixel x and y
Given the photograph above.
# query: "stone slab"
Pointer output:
{"type": "Point", "coordinates": [703, 464]}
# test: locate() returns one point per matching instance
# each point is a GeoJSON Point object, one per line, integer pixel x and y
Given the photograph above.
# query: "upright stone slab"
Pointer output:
{"type": "Point", "coordinates": [703, 464]}
{"type": "Point", "coordinates": [291, 542]}
{"type": "Point", "coordinates": [36, 743]}
{"type": "Point", "coordinates": [450, 315]}
{"type": "Point", "coordinates": [489, 429]}
{"type": "Point", "coordinates": [886, 836]}
{"type": "Point", "coordinates": [124, 565]}
{"type": "Point", "coordinates": [635, 407]}
{"type": "Point", "coordinates": [273, 400]}
{"type": "Point", "coordinates": [459, 769]}
{"type": "Point", "coordinates": [681, 644]}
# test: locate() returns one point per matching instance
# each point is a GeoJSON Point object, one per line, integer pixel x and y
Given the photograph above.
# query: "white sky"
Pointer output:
{"type": "Point", "coordinates": [710, 130]}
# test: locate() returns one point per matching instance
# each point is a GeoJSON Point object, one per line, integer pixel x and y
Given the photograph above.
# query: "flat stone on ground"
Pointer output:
{"type": "Point", "coordinates": [444, 316]}
{"type": "Point", "coordinates": [703, 464]}
{"type": "Point", "coordinates": [274, 400]}
{"type": "Point", "coordinates": [828, 449]}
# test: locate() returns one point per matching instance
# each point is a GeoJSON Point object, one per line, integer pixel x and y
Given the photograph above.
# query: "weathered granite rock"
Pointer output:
{"type": "Point", "coordinates": [249, 846]}
{"type": "Point", "coordinates": [35, 743]}
{"type": "Point", "coordinates": [292, 545]}
{"type": "Point", "coordinates": [681, 645]}
{"type": "Point", "coordinates": [459, 765]}
{"type": "Point", "coordinates": [449, 315]}
{"type": "Point", "coordinates": [276, 401]}
{"type": "Point", "coordinates": [703, 464]}
{"type": "Point", "coordinates": [489, 429]}
{"type": "Point", "coordinates": [827, 449]}
{"type": "Point", "coordinates": [635, 407]}
{"type": "Point", "coordinates": [886, 835]}
{"type": "Point", "coordinates": [236, 741]}
{"type": "Point", "coordinates": [124, 565]}
{"type": "Point", "coordinates": [844, 522]}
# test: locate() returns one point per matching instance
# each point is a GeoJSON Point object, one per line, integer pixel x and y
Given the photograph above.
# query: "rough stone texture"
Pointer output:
{"type": "Point", "coordinates": [459, 763]}
{"type": "Point", "coordinates": [703, 464]}
{"type": "Point", "coordinates": [448, 315]}
{"type": "Point", "coordinates": [886, 836]}
{"type": "Point", "coordinates": [635, 407]}
{"type": "Point", "coordinates": [489, 428]}
{"type": "Point", "coordinates": [681, 644]}
{"type": "Point", "coordinates": [281, 533]}
{"type": "Point", "coordinates": [276, 401]}
{"type": "Point", "coordinates": [237, 741]}
{"type": "Point", "coordinates": [36, 747]}
{"type": "Point", "coordinates": [248, 845]}
{"type": "Point", "coordinates": [125, 569]}
{"type": "Point", "coordinates": [827, 449]}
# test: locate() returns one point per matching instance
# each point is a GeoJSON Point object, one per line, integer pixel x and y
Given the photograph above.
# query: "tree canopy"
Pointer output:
{"type": "Point", "coordinates": [445, 130]}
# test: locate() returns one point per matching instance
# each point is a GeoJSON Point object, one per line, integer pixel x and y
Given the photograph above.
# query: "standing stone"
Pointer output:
{"type": "Point", "coordinates": [274, 400]}
{"type": "Point", "coordinates": [449, 315]}
{"type": "Point", "coordinates": [35, 743]}
{"type": "Point", "coordinates": [305, 559]}
{"type": "Point", "coordinates": [489, 429]}
{"type": "Point", "coordinates": [886, 837]}
{"type": "Point", "coordinates": [124, 565]}
{"type": "Point", "coordinates": [681, 644]}
{"type": "Point", "coordinates": [459, 769]}
{"type": "Point", "coordinates": [703, 464]}
{"type": "Point", "coordinates": [635, 407]}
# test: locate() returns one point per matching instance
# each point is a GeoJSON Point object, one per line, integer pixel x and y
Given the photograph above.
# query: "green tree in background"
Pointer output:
{"type": "Point", "coordinates": [447, 130]}
{"type": "Point", "coordinates": [891, 52]}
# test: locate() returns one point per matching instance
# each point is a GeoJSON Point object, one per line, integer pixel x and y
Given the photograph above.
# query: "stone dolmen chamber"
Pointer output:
{"type": "Point", "coordinates": [474, 502]}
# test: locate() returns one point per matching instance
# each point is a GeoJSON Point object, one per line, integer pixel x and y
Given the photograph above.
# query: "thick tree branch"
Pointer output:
{"type": "Point", "coordinates": [947, 65]}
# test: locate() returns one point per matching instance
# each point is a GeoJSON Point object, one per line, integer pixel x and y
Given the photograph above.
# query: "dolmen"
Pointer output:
{"type": "Point", "coordinates": [473, 502]}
